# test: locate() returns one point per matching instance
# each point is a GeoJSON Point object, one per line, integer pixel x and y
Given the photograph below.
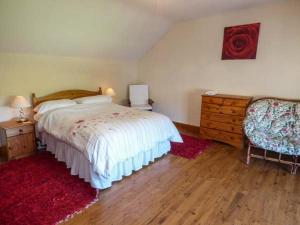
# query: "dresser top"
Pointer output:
{"type": "Point", "coordinates": [14, 124]}
{"type": "Point", "coordinates": [229, 96]}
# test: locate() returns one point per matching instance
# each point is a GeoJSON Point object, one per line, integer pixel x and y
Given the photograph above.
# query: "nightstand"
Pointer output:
{"type": "Point", "coordinates": [17, 139]}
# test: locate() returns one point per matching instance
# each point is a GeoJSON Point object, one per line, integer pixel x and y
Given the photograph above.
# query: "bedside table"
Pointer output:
{"type": "Point", "coordinates": [17, 139]}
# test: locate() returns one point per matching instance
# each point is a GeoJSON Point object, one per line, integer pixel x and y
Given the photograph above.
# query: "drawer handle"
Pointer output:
{"type": "Point", "coordinates": [21, 130]}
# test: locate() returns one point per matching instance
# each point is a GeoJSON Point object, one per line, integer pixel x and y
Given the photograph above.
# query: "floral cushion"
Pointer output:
{"type": "Point", "coordinates": [274, 125]}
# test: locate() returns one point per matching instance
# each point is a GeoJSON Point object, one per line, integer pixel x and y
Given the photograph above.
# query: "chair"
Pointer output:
{"type": "Point", "coordinates": [273, 124]}
{"type": "Point", "coordinates": [139, 97]}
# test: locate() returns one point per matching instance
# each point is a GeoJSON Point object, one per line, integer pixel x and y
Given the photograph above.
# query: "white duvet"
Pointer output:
{"type": "Point", "coordinates": [108, 133]}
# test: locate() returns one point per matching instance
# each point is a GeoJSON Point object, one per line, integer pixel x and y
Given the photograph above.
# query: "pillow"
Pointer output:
{"type": "Point", "coordinates": [94, 99]}
{"type": "Point", "coordinates": [55, 104]}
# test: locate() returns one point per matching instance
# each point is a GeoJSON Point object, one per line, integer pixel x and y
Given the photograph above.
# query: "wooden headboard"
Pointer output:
{"type": "Point", "coordinates": [67, 94]}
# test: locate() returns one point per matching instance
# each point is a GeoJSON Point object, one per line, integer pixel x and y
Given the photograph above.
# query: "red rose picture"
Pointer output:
{"type": "Point", "coordinates": [240, 42]}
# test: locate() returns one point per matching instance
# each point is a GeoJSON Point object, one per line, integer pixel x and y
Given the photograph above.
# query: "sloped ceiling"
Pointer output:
{"type": "Point", "coordinates": [178, 10]}
{"type": "Point", "coordinates": [86, 28]}
{"type": "Point", "coordinates": [118, 29]}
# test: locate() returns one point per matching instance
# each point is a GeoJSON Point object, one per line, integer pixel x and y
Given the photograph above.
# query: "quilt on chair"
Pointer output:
{"type": "Point", "coordinates": [274, 124]}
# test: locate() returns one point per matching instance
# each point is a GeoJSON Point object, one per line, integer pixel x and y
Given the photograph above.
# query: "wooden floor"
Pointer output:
{"type": "Point", "coordinates": [216, 188]}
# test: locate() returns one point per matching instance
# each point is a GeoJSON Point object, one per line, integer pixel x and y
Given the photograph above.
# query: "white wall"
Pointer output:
{"type": "Point", "coordinates": [188, 60]}
{"type": "Point", "coordinates": [23, 74]}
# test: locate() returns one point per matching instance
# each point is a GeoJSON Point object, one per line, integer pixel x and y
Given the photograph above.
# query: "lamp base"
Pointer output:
{"type": "Point", "coordinates": [22, 120]}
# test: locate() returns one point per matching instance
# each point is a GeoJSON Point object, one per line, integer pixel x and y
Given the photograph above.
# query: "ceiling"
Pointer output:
{"type": "Point", "coordinates": [178, 10]}
{"type": "Point", "coordinates": [118, 29]}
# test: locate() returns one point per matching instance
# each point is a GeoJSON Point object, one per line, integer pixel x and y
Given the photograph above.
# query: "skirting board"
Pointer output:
{"type": "Point", "coordinates": [186, 128]}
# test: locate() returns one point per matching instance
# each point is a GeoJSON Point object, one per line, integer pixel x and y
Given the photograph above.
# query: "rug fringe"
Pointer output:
{"type": "Point", "coordinates": [70, 216]}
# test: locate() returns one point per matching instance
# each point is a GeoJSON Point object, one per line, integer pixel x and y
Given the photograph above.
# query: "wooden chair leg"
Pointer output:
{"type": "Point", "coordinates": [295, 167]}
{"type": "Point", "coordinates": [292, 170]}
{"type": "Point", "coordinates": [265, 154]}
{"type": "Point", "coordinates": [279, 158]}
{"type": "Point", "coordinates": [249, 154]}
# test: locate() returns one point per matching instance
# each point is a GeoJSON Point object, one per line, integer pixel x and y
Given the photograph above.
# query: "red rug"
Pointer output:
{"type": "Point", "coordinates": [39, 190]}
{"type": "Point", "coordinates": [190, 148]}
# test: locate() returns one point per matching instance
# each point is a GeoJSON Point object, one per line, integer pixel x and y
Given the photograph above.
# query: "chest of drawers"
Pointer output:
{"type": "Point", "coordinates": [222, 118]}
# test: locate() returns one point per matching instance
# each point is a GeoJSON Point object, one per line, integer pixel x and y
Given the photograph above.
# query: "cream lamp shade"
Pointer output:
{"type": "Point", "coordinates": [110, 92]}
{"type": "Point", "coordinates": [20, 102]}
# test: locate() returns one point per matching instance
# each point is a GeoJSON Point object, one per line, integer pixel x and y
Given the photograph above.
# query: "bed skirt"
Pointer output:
{"type": "Point", "coordinates": [80, 165]}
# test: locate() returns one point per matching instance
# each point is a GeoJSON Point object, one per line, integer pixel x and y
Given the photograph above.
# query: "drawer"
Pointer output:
{"type": "Point", "coordinates": [222, 126]}
{"type": "Point", "coordinates": [229, 110]}
{"type": "Point", "coordinates": [18, 131]}
{"type": "Point", "coordinates": [226, 101]}
{"type": "Point", "coordinates": [212, 100]}
{"type": "Point", "coordinates": [236, 102]}
{"type": "Point", "coordinates": [236, 120]}
{"type": "Point", "coordinates": [236, 140]}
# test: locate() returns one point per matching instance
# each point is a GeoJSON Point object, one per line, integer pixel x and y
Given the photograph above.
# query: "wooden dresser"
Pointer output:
{"type": "Point", "coordinates": [17, 139]}
{"type": "Point", "coordinates": [222, 118]}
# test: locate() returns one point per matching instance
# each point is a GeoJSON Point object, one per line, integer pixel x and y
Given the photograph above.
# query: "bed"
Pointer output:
{"type": "Point", "coordinates": [102, 143]}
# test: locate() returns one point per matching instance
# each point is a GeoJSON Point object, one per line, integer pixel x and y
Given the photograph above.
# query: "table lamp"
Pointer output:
{"type": "Point", "coordinates": [110, 92]}
{"type": "Point", "coordinates": [20, 103]}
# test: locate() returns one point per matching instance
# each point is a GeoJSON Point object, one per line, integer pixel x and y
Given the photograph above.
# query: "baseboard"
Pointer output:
{"type": "Point", "coordinates": [187, 128]}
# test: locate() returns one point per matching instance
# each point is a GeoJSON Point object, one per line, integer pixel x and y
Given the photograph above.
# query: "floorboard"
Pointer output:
{"type": "Point", "coordinates": [216, 188]}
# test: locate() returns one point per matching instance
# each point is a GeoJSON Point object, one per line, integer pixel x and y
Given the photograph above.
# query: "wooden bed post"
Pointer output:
{"type": "Point", "coordinates": [33, 97]}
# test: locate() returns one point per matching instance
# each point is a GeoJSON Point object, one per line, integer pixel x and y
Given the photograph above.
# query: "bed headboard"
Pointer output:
{"type": "Point", "coordinates": [67, 94]}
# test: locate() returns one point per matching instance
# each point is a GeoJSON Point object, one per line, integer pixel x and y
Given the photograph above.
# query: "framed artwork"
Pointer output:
{"type": "Point", "coordinates": [240, 42]}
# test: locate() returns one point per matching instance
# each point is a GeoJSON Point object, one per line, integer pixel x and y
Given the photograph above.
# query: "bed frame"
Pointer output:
{"type": "Point", "coordinates": [67, 94]}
